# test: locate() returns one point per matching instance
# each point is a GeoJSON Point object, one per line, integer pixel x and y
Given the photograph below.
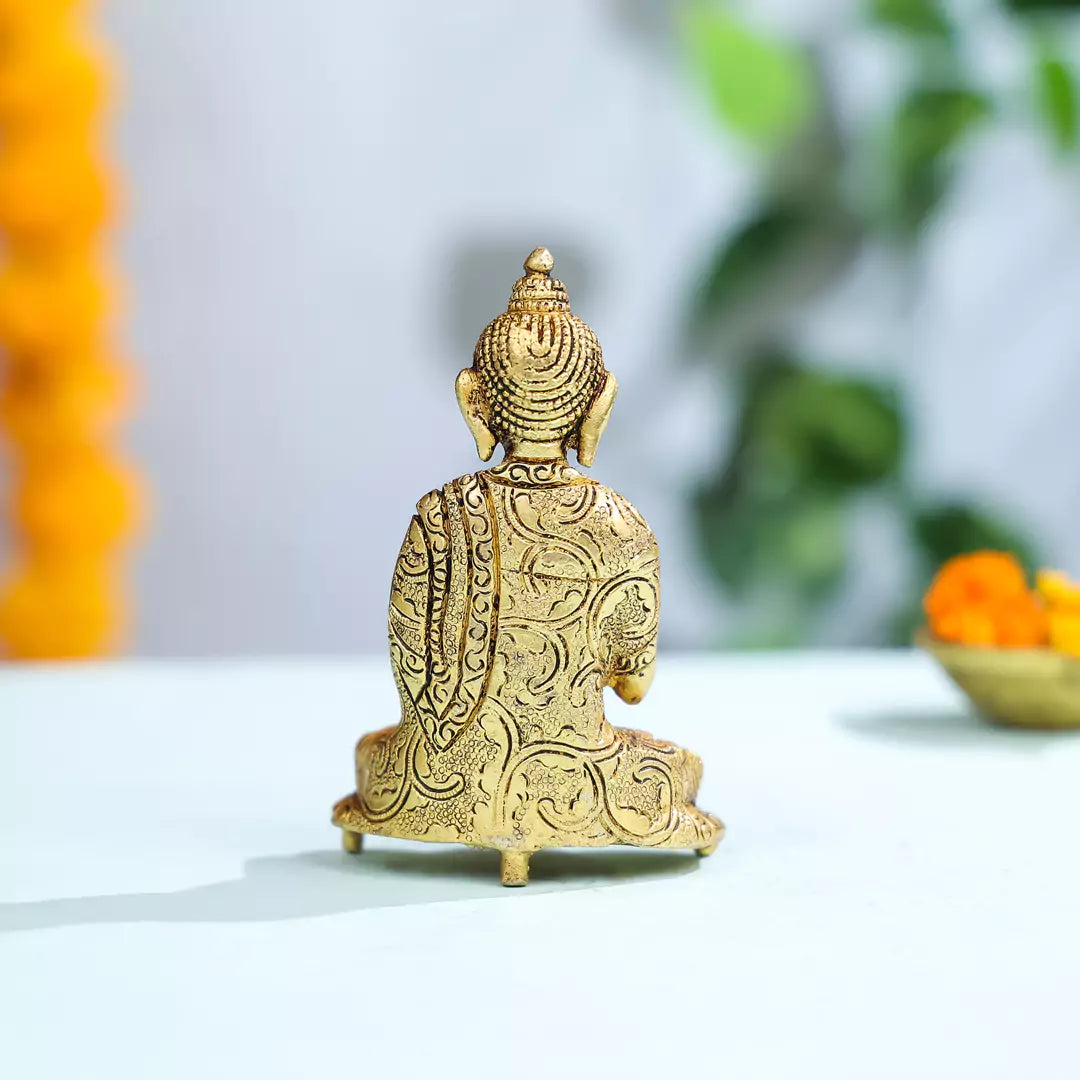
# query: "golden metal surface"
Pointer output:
{"type": "Point", "coordinates": [520, 592]}
{"type": "Point", "coordinates": [1033, 688]}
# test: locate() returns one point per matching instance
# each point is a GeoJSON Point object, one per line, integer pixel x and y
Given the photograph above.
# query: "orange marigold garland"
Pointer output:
{"type": "Point", "coordinates": [72, 501]}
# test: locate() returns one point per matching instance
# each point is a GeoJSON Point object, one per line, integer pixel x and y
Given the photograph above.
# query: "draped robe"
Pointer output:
{"type": "Point", "coordinates": [518, 594]}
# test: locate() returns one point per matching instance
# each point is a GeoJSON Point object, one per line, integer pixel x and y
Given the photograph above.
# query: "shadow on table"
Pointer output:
{"type": "Point", "coordinates": [946, 728]}
{"type": "Point", "coordinates": [311, 883]}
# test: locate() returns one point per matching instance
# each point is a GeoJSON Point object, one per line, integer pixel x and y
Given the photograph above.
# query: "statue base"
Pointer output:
{"type": "Point", "coordinates": [514, 870]}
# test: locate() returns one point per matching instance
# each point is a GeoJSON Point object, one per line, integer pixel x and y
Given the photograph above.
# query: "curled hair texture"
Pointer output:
{"type": "Point", "coordinates": [540, 372]}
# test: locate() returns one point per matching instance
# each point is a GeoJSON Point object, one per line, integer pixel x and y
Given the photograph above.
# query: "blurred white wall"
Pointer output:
{"type": "Point", "coordinates": [329, 200]}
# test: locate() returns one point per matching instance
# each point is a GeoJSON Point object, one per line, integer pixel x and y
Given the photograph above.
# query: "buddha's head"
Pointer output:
{"type": "Point", "coordinates": [537, 382]}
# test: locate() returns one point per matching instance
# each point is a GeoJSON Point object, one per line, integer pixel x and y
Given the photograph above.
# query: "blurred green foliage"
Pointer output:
{"type": "Point", "coordinates": [952, 528]}
{"type": "Point", "coordinates": [1029, 6]}
{"type": "Point", "coordinates": [757, 87]}
{"type": "Point", "coordinates": [930, 122]}
{"type": "Point", "coordinates": [772, 516]}
{"type": "Point", "coordinates": [923, 17]}
{"type": "Point", "coordinates": [1058, 98]}
{"type": "Point", "coordinates": [775, 513]}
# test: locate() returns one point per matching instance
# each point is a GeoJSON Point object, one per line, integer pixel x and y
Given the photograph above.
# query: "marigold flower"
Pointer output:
{"type": "Point", "coordinates": [19, 18]}
{"type": "Point", "coordinates": [54, 187]}
{"type": "Point", "coordinates": [58, 402]}
{"type": "Point", "coordinates": [72, 500]}
{"type": "Point", "coordinates": [48, 305]}
{"type": "Point", "coordinates": [61, 609]}
{"type": "Point", "coordinates": [82, 501]}
{"type": "Point", "coordinates": [1058, 591]}
{"type": "Point", "coordinates": [983, 599]}
{"type": "Point", "coordinates": [1061, 596]}
{"type": "Point", "coordinates": [54, 77]}
{"type": "Point", "coordinates": [1065, 632]}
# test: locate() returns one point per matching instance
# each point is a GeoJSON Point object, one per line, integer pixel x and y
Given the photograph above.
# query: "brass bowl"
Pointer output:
{"type": "Point", "coordinates": [1031, 688]}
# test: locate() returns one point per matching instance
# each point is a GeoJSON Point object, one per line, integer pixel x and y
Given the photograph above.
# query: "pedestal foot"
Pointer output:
{"type": "Point", "coordinates": [515, 868]}
{"type": "Point", "coordinates": [352, 842]}
{"type": "Point", "coordinates": [705, 852]}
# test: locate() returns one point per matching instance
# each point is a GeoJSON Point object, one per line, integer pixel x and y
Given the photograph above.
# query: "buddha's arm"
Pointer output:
{"type": "Point", "coordinates": [635, 656]}
{"type": "Point", "coordinates": [634, 597]}
{"type": "Point", "coordinates": [634, 686]}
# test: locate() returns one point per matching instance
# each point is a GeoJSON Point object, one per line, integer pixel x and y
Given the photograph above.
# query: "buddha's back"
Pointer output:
{"type": "Point", "coordinates": [518, 595]}
{"type": "Point", "coordinates": [529, 584]}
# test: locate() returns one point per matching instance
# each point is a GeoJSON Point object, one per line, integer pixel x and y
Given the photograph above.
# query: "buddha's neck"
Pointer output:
{"type": "Point", "coordinates": [536, 451]}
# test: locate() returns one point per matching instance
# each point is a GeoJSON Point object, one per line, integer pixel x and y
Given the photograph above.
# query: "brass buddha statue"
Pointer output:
{"type": "Point", "coordinates": [520, 592]}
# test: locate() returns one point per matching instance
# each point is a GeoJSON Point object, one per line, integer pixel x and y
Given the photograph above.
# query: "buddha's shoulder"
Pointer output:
{"type": "Point", "coordinates": [467, 488]}
{"type": "Point", "coordinates": [621, 519]}
{"type": "Point", "coordinates": [608, 500]}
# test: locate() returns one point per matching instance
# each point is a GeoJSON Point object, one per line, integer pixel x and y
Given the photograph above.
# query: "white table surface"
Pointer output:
{"type": "Point", "coordinates": [898, 894]}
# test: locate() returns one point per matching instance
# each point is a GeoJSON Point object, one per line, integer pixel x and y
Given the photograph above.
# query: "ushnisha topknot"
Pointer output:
{"type": "Point", "coordinates": [538, 364]}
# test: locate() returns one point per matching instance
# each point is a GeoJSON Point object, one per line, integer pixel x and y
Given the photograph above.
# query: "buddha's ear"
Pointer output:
{"type": "Point", "coordinates": [473, 408]}
{"type": "Point", "coordinates": [595, 420]}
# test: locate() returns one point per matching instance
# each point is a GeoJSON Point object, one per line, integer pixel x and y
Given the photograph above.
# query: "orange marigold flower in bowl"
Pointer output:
{"type": "Point", "coordinates": [1065, 632]}
{"type": "Point", "coordinates": [983, 599]}
{"type": "Point", "coordinates": [1062, 597]}
{"type": "Point", "coordinates": [1058, 590]}
{"type": "Point", "coordinates": [1020, 622]}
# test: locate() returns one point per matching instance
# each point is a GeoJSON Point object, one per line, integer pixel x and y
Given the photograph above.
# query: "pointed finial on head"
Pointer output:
{"type": "Point", "coordinates": [540, 261]}
{"type": "Point", "coordinates": [538, 290]}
